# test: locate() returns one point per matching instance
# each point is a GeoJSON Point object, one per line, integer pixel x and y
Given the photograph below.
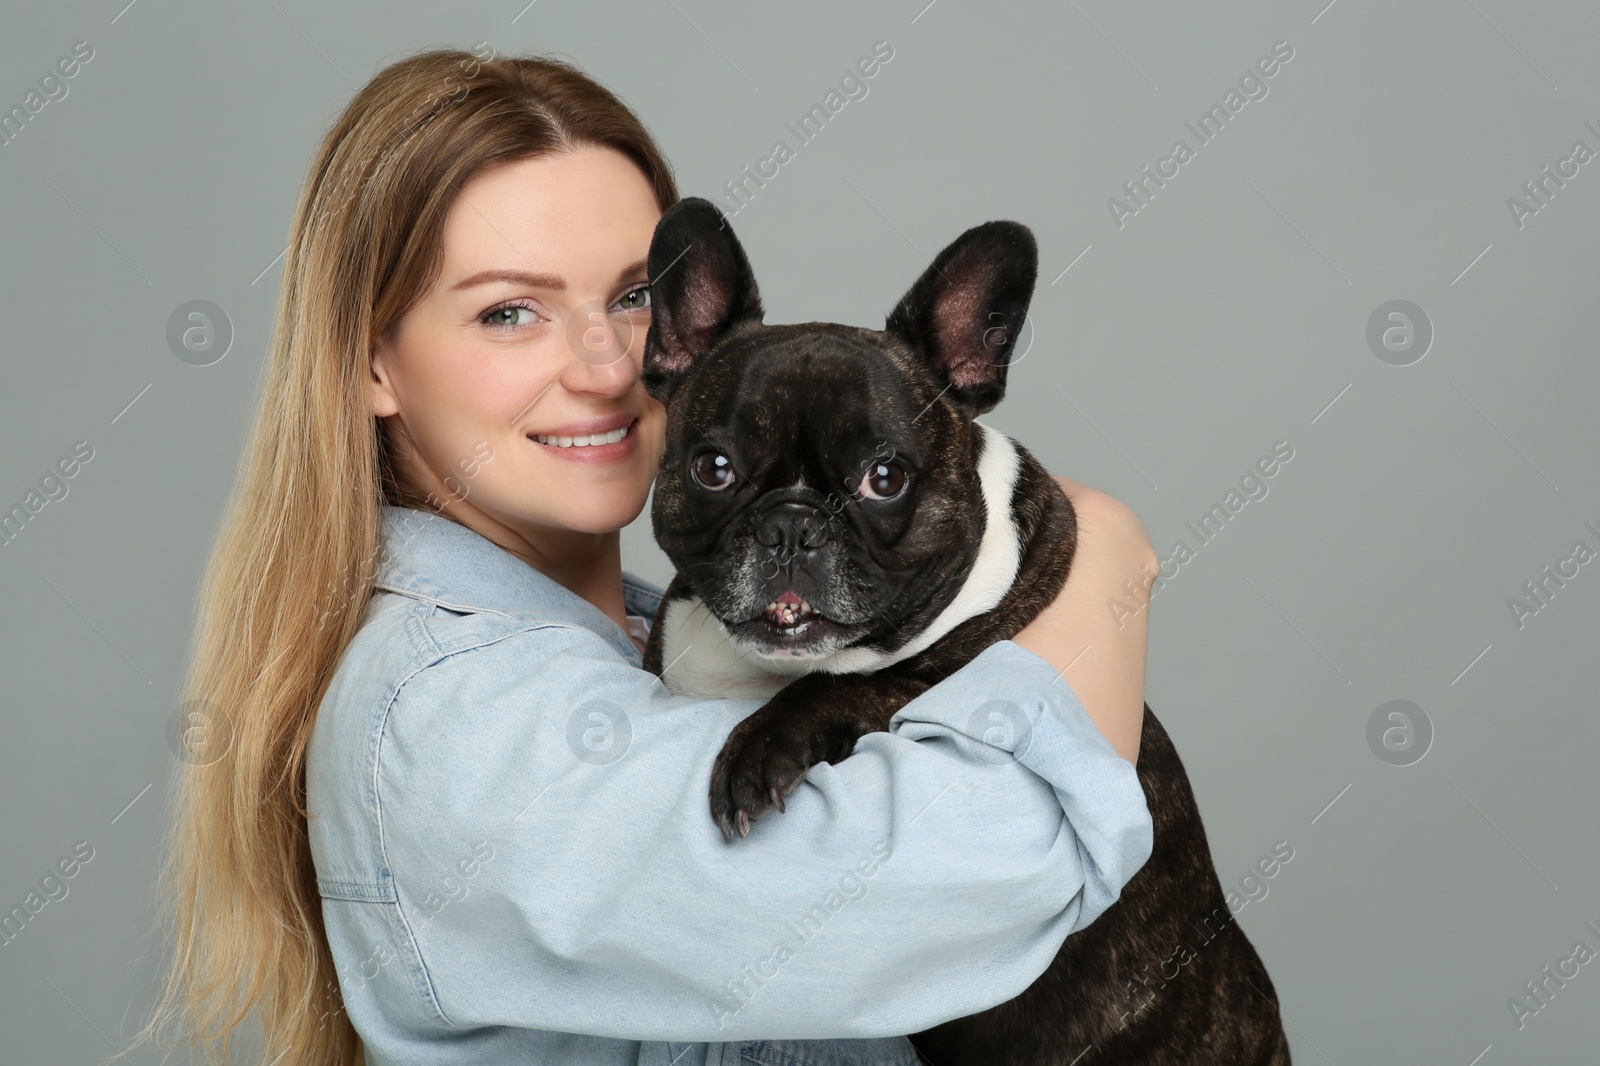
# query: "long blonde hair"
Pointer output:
{"type": "Point", "coordinates": [291, 571]}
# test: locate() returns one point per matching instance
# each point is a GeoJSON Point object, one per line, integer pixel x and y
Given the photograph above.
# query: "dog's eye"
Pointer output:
{"type": "Point", "coordinates": [883, 481]}
{"type": "Point", "coordinates": [712, 470]}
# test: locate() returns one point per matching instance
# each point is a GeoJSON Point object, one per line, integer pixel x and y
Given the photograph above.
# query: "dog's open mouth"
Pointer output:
{"type": "Point", "coordinates": [792, 627]}
{"type": "Point", "coordinates": [790, 614]}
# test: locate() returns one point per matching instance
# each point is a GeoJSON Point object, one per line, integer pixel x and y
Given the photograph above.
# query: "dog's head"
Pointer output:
{"type": "Point", "coordinates": [819, 487]}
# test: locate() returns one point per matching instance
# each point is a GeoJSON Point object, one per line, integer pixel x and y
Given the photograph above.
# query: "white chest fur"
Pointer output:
{"type": "Point", "coordinates": [702, 659]}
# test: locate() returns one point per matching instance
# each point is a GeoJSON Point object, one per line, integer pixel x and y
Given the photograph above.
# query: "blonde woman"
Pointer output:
{"type": "Point", "coordinates": [407, 843]}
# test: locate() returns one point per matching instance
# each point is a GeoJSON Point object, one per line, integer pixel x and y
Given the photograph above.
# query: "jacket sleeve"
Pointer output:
{"type": "Point", "coordinates": [545, 821]}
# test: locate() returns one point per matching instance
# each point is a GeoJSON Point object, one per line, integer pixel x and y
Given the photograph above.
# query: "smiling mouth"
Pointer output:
{"type": "Point", "coordinates": [592, 440]}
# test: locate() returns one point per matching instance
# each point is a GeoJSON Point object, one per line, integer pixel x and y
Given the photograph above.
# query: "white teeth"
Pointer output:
{"type": "Point", "coordinates": [590, 441]}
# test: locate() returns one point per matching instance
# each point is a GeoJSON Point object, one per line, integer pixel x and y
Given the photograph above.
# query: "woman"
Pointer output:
{"type": "Point", "coordinates": [442, 813]}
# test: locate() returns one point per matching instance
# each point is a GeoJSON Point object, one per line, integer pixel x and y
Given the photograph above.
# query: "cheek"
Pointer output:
{"type": "Point", "coordinates": [490, 388]}
{"type": "Point", "coordinates": [494, 395]}
{"type": "Point", "coordinates": [471, 403]}
{"type": "Point", "coordinates": [654, 431]}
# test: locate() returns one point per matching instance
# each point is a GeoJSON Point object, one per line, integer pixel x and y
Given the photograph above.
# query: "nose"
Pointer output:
{"type": "Point", "coordinates": [790, 528]}
{"type": "Point", "coordinates": [603, 350]}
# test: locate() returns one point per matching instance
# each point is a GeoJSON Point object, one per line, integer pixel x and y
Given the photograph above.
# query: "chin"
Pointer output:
{"type": "Point", "coordinates": [602, 512]}
{"type": "Point", "coordinates": [792, 648]}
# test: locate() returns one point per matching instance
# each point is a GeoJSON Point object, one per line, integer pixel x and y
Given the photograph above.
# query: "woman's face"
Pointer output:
{"type": "Point", "coordinates": [534, 333]}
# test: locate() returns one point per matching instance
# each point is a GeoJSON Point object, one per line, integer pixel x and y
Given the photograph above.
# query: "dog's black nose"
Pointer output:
{"type": "Point", "coordinates": [793, 527]}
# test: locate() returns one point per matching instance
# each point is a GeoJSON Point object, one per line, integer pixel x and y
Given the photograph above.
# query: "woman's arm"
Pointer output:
{"type": "Point", "coordinates": [520, 838]}
{"type": "Point", "coordinates": [1101, 652]}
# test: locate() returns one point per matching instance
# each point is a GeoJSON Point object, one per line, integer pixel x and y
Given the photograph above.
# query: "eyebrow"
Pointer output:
{"type": "Point", "coordinates": [537, 281]}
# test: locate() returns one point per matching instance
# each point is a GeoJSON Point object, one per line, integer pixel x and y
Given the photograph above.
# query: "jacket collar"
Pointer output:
{"type": "Point", "coordinates": [429, 557]}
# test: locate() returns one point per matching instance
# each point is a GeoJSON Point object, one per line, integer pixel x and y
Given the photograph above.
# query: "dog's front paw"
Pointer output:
{"type": "Point", "coordinates": [765, 758]}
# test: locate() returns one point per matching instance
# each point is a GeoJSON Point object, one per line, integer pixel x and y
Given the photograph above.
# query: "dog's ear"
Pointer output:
{"type": "Point", "coordinates": [701, 286]}
{"type": "Point", "coordinates": [964, 314]}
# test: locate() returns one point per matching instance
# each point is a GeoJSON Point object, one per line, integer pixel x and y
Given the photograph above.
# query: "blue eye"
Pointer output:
{"type": "Point", "coordinates": [505, 316]}
{"type": "Point", "coordinates": [642, 293]}
{"type": "Point", "coordinates": [495, 317]}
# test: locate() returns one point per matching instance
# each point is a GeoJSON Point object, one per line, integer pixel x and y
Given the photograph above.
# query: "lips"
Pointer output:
{"type": "Point", "coordinates": [791, 628]}
{"type": "Point", "coordinates": [591, 439]}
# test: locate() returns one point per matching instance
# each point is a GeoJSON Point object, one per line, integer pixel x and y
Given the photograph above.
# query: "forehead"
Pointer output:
{"type": "Point", "coordinates": [587, 204]}
{"type": "Point", "coordinates": [817, 380]}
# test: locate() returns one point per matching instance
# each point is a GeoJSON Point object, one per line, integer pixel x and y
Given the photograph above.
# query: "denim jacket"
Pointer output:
{"type": "Point", "coordinates": [510, 828]}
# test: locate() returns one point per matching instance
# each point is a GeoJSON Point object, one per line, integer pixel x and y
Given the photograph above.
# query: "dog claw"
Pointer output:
{"type": "Point", "coordinates": [777, 798]}
{"type": "Point", "coordinates": [744, 824]}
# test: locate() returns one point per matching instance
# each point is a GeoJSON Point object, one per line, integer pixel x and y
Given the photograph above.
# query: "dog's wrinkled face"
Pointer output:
{"type": "Point", "coordinates": [819, 485]}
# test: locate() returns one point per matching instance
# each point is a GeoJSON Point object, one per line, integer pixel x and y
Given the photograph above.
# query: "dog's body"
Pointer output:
{"type": "Point", "coordinates": [842, 607]}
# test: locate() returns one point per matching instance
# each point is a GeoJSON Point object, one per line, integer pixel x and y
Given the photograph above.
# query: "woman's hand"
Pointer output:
{"type": "Point", "coordinates": [1101, 651]}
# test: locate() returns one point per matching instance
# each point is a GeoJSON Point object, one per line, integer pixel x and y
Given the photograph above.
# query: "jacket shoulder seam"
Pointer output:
{"type": "Point", "coordinates": [377, 763]}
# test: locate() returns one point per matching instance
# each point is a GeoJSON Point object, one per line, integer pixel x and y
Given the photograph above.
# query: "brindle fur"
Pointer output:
{"type": "Point", "coordinates": [1110, 996]}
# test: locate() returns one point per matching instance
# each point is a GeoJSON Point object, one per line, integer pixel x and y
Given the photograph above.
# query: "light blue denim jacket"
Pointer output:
{"type": "Point", "coordinates": [509, 823]}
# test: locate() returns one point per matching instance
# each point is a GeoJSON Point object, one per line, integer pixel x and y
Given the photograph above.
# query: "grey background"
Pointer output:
{"type": "Point", "coordinates": [1229, 313]}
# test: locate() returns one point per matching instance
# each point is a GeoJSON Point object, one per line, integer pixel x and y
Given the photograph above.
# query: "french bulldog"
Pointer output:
{"type": "Point", "coordinates": [846, 533]}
